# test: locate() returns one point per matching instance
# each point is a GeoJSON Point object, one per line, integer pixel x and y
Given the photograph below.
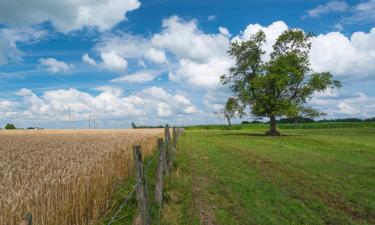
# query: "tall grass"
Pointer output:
{"type": "Point", "coordinates": [65, 177]}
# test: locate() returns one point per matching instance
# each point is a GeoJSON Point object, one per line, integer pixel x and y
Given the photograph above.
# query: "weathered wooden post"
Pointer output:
{"type": "Point", "coordinates": [160, 172]}
{"type": "Point", "coordinates": [174, 148]}
{"type": "Point", "coordinates": [141, 187]}
{"type": "Point", "coordinates": [167, 139]}
{"type": "Point", "coordinates": [27, 220]}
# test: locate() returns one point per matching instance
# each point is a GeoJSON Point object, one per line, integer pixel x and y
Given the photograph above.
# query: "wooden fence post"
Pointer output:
{"type": "Point", "coordinates": [167, 138]}
{"type": "Point", "coordinates": [27, 220]}
{"type": "Point", "coordinates": [160, 172]}
{"type": "Point", "coordinates": [174, 148]}
{"type": "Point", "coordinates": [141, 187]}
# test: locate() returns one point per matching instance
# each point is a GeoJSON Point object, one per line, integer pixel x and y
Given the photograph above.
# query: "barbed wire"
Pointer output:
{"type": "Point", "coordinates": [124, 203]}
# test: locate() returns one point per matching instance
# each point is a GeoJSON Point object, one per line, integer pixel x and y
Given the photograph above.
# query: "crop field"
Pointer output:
{"type": "Point", "coordinates": [65, 177]}
{"type": "Point", "coordinates": [305, 176]}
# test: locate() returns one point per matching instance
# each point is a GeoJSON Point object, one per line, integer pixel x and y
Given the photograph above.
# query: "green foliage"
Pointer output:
{"type": "Point", "coordinates": [231, 110]}
{"type": "Point", "coordinates": [283, 85]}
{"type": "Point", "coordinates": [10, 126]}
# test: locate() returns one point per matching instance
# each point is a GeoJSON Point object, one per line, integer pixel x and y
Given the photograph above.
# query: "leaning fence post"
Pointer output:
{"type": "Point", "coordinates": [141, 187]}
{"type": "Point", "coordinates": [160, 171]}
{"type": "Point", "coordinates": [27, 220]}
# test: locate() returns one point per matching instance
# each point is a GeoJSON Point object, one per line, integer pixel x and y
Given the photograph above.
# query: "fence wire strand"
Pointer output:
{"type": "Point", "coordinates": [126, 200]}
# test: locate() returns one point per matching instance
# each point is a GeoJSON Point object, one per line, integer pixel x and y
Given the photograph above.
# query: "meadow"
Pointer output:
{"type": "Point", "coordinates": [306, 176]}
{"type": "Point", "coordinates": [314, 125]}
{"type": "Point", "coordinates": [65, 176]}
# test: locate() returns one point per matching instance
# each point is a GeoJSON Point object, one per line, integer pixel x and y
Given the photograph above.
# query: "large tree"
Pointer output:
{"type": "Point", "coordinates": [282, 84]}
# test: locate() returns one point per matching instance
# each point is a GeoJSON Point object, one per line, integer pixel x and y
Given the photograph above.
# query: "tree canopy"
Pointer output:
{"type": "Point", "coordinates": [280, 85]}
{"type": "Point", "coordinates": [10, 126]}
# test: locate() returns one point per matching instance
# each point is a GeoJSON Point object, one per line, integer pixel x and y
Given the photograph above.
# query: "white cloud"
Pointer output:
{"type": "Point", "coordinates": [66, 15]}
{"type": "Point", "coordinates": [224, 31]}
{"type": "Point", "coordinates": [196, 57]}
{"type": "Point", "coordinates": [335, 104]}
{"type": "Point", "coordinates": [131, 47]}
{"type": "Point", "coordinates": [112, 61]}
{"type": "Point", "coordinates": [185, 40]}
{"type": "Point", "coordinates": [363, 12]}
{"type": "Point", "coordinates": [11, 37]}
{"type": "Point", "coordinates": [87, 59]}
{"type": "Point", "coordinates": [138, 77]}
{"type": "Point", "coordinates": [350, 57]}
{"type": "Point", "coordinates": [156, 56]}
{"type": "Point", "coordinates": [55, 66]}
{"type": "Point", "coordinates": [201, 74]}
{"type": "Point", "coordinates": [110, 103]}
{"type": "Point", "coordinates": [331, 6]}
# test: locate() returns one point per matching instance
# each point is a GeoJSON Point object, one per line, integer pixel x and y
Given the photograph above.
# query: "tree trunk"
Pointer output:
{"type": "Point", "coordinates": [229, 123]}
{"type": "Point", "coordinates": [273, 131]}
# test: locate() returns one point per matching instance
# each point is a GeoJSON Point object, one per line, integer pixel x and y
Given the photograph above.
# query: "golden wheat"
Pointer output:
{"type": "Point", "coordinates": [65, 177]}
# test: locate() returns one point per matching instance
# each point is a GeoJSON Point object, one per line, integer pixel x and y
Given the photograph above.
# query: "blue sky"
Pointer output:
{"type": "Point", "coordinates": [154, 62]}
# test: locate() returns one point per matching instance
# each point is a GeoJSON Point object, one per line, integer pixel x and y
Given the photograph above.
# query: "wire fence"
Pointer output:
{"type": "Point", "coordinates": [127, 198]}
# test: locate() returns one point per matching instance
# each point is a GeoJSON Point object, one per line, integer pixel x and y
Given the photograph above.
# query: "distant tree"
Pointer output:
{"type": "Point", "coordinates": [282, 85]}
{"type": "Point", "coordinates": [133, 125]}
{"type": "Point", "coordinates": [10, 126]}
{"type": "Point", "coordinates": [231, 110]}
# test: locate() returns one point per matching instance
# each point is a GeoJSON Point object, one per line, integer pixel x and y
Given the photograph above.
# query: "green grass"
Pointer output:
{"type": "Point", "coordinates": [319, 176]}
{"type": "Point", "coordinates": [315, 125]}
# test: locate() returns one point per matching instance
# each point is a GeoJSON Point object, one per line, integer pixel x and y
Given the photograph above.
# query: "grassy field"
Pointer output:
{"type": "Point", "coordinates": [315, 125]}
{"type": "Point", "coordinates": [65, 176]}
{"type": "Point", "coordinates": [319, 176]}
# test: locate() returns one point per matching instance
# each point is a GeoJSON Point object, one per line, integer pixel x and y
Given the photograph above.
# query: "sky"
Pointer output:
{"type": "Point", "coordinates": [159, 61]}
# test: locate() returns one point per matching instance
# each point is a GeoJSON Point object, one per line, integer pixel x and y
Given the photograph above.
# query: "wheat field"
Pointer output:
{"type": "Point", "coordinates": [65, 176]}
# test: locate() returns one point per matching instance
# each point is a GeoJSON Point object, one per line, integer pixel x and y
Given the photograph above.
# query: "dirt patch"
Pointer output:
{"type": "Point", "coordinates": [206, 212]}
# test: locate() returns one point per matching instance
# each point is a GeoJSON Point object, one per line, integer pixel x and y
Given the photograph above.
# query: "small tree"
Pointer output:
{"type": "Point", "coordinates": [133, 125]}
{"type": "Point", "coordinates": [281, 86]}
{"type": "Point", "coordinates": [10, 126]}
{"type": "Point", "coordinates": [231, 110]}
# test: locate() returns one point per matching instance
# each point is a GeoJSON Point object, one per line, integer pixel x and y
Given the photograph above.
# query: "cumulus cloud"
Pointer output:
{"type": "Point", "coordinates": [349, 57]}
{"type": "Point", "coordinates": [197, 58]}
{"type": "Point", "coordinates": [152, 103]}
{"type": "Point", "coordinates": [131, 47]}
{"type": "Point", "coordinates": [224, 31]}
{"type": "Point", "coordinates": [358, 105]}
{"type": "Point", "coordinates": [185, 40]}
{"type": "Point", "coordinates": [329, 7]}
{"type": "Point", "coordinates": [201, 58]}
{"type": "Point", "coordinates": [66, 15]}
{"type": "Point", "coordinates": [87, 59]}
{"type": "Point", "coordinates": [138, 77]}
{"type": "Point", "coordinates": [55, 66]}
{"type": "Point", "coordinates": [112, 61]}
{"type": "Point", "coordinates": [156, 56]}
{"type": "Point", "coordinates": [11, 37]}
